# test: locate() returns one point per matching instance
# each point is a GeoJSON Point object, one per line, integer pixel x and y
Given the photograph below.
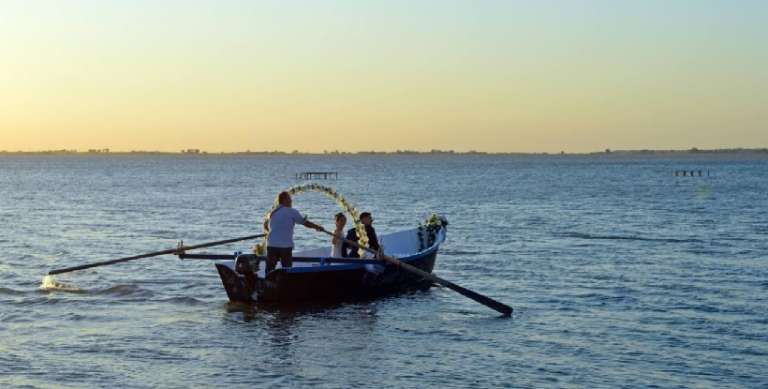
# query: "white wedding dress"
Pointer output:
{"type": "Point", "coordinates": [336, 249]}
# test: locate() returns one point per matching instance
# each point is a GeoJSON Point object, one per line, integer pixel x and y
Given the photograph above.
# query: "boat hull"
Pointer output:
{"type": "Point", "coordinates": [327, 283]}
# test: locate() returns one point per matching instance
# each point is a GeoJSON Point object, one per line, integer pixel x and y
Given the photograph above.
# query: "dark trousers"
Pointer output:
{"type": "Point", "coordinates": [284, 254]}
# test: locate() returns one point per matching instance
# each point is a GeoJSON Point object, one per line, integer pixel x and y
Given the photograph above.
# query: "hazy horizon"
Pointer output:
{"type": "Point", "coordinates": [397, 151]}
{"type": "Point", "coordinates": [492, 76]}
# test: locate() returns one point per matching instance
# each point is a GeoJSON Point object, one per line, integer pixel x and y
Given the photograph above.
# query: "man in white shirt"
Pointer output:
{"type": "Point", "coordinates": [280, 232]}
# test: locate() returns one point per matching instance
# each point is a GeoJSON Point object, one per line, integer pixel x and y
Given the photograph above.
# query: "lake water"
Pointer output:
{"type": "Point", "coordinates": [620, 273]}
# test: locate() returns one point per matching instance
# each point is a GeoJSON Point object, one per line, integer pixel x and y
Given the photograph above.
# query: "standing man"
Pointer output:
{"type": "Point", "coordinates": [280, 232]}
{"type": "Point", "coordinates": [373, 240]}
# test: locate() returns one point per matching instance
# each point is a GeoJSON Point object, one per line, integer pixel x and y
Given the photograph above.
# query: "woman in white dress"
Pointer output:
{"type": "Point", "coordinates": [337, 240]}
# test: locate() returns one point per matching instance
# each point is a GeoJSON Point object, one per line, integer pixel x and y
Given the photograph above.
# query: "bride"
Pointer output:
{"type": "Point", "coordinates": [338, 233]}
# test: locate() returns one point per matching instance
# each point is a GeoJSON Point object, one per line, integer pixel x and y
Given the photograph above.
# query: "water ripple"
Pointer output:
{"type": "Point", "coordinates": [620, 275]}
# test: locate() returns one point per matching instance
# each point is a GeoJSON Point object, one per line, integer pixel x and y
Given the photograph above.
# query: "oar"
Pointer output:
{"type": "Point", "coordinates": [502, 308]}
{"type": "Point", "coordinates": [154, 254]}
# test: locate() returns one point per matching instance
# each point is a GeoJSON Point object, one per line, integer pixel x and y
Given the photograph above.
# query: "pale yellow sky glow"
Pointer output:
{"type": "Point", "coordinates": [313, 76]}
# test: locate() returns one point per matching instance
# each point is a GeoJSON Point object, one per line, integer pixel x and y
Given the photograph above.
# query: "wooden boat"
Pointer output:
{"type": "Point", "coordinates": [318, 277]}
{"type": "Point", "coordinates": [315, 276]}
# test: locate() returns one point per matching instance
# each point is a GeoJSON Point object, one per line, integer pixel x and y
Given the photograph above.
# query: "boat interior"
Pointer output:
{"type": "Point", "coordinates": [401, 244]}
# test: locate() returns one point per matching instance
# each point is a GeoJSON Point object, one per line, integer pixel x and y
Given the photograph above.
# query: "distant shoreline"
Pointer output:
{"type": "Point", "coordinates": [198, 152]}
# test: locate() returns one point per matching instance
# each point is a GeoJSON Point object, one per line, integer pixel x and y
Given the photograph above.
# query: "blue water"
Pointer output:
{"type": "Point", "coordinates": [620, 273]}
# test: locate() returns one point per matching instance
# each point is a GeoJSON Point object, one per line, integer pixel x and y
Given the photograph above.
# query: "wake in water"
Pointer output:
{"type": "Point", "coordinates": [579, 235]}
{"type": "Point", "coordinates": [50, 284]}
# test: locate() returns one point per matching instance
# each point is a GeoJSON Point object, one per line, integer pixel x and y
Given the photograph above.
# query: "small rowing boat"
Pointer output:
{"type": "Point", "coordinates": [316, 276]}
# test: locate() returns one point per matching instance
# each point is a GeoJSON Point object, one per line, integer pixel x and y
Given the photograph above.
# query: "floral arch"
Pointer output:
{"type": "Point", "coordinates": [362, 236]}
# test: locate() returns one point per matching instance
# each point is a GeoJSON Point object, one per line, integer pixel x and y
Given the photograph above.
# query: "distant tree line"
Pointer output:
{"type": "Point", "coordinates": [193, 151]}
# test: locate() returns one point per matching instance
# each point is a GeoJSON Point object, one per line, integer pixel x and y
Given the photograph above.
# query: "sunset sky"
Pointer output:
{"type": "Point", "coordinates": [385, 75]}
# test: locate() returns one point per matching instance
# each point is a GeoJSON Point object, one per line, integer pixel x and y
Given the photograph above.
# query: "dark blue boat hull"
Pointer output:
{"type": "Point", "coordinates": [328, 283]}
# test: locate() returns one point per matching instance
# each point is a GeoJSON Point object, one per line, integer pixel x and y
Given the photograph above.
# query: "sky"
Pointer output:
{"type": "Point", "coordinates": [497, 76]}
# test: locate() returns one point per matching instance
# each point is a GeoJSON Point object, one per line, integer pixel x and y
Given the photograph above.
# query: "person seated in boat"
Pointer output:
{"type": "Point", "coordinates": [337, 242]}
{"type": "Point", "coordinates": [280, 232]}
{"type": "Point", "coordinates": [373, 241]}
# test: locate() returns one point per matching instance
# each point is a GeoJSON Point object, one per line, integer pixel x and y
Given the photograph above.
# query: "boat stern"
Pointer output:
{"type": "Point", "coordinates": [234, 284]}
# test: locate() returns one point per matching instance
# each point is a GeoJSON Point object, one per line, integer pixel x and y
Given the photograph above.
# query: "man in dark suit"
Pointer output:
{"type": "Point", "coordinates": [373, 241]}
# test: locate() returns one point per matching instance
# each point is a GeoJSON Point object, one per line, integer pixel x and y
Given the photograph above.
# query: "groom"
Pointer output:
{"type": "Point", "coordinates": [373, 241]}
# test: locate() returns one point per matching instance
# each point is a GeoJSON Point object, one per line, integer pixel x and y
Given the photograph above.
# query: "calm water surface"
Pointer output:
{"type": "Point", "coordinates": [621, 274]}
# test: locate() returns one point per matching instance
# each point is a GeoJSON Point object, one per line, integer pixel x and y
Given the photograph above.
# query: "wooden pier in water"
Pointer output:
{"type": "Point", "coordinates": [692, 173]}
{"type": "Point", "coordinates": [317, 175]}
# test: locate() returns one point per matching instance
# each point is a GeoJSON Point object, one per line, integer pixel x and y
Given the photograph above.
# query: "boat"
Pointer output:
{"type": "Point", "coordinates": [316, 276]}
{"type": "Point", "coordinates": [405, 262]}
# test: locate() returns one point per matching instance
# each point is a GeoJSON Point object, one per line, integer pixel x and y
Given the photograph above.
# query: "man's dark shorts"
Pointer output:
{"type": "Point", "coordinates": [283, 254]}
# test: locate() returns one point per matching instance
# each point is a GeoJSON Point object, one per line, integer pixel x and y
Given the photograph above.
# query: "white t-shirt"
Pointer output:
{"type": "Point", "coordinates": [281, 226]}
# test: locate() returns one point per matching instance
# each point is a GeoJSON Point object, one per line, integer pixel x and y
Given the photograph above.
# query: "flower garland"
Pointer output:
{"type": "Point", "coordinates": [362, 236]}
{"type": "Point", "coordinates": [428, 229]}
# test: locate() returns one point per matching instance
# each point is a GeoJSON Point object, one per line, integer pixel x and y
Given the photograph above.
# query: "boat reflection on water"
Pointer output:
{"type": "Point", "coordinates": [291, 335]}
{"type": "Point", "coordinates": [251, 310]}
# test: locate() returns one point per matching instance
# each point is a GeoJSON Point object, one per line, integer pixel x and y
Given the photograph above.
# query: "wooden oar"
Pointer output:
{"type": "Point", "coordinates": [154, 254]}
{"type": "Point", "coordinates": [502, 308]}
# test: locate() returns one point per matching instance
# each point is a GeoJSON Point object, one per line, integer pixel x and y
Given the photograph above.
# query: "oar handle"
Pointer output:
{"type": "Point", "coordinates": [153, 254]}
{"type": "Point", "coordinates": [500, 307]}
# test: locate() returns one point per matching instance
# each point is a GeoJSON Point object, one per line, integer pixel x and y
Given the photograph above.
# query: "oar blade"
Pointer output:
{"type": "Point", "coordinates": [500, 307]}
{"type": "Point", "coordinates": [504, 309]}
